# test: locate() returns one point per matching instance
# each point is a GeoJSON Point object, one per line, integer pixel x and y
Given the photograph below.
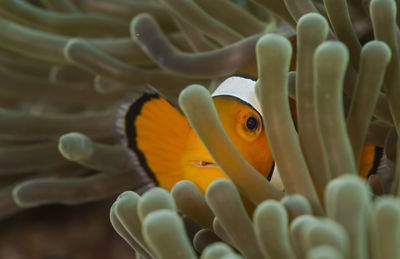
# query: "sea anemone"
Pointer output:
{"type": "Point", "coordinates": [326, 210]}
{"type": "Point", "coordinates": [66, 69]}
{"type": "Point", "coordinates": [68, 66]}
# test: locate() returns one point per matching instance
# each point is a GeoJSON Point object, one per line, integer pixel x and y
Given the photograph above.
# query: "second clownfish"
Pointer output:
{"type": "Point", "coordinates": [169, 150]}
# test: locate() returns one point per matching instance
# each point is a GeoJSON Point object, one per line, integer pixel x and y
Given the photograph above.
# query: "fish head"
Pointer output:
{"type": "Point", "coordinates": [239, 112]}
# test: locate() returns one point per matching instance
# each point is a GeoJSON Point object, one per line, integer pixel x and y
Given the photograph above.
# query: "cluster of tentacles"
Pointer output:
{"type": "Point", "coordinates": [326, 211]}
{"type": "Point", "coordinates": [66, 66]}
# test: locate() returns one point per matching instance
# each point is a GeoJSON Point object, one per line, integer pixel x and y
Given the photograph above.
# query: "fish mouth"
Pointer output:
{"type": "Point", "coordinates": [202, 163]}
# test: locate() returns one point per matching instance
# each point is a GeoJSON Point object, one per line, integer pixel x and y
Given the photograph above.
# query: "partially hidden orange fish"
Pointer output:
{"type": "Point", "coordinates": [169, 150]}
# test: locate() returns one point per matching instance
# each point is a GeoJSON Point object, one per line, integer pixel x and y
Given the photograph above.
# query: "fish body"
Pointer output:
{"type": "Point", "coordinates": [169, 150]}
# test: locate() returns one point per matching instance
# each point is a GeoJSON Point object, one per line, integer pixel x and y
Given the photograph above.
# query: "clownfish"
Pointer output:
{"type": "Point", "coordinates": [169, 150]}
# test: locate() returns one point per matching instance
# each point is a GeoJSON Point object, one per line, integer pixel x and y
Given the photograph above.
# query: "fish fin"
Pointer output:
{"type": "Point", "coordinates": [381, 175]}
{"type": "Point", "coordinates": [156, 132]}
{"type": "Point", "coordinates": [275, 178]}
{"type": "Point", "coordinates": [371, 156]}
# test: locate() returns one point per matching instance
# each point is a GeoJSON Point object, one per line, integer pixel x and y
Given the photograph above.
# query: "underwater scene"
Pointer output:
{"type": "Point", "coordinates": [184, 129]}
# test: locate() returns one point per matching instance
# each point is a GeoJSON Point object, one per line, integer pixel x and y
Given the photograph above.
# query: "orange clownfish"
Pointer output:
{"type": "Point", "coordinates": [169, 150]}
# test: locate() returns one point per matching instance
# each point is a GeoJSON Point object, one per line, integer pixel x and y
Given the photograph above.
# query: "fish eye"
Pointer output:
{"type": "Point", "coordinates": [249, 125]}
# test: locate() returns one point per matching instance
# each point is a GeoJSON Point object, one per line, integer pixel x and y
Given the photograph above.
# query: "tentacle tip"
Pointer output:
{"type": "Point", "coordinates": [275, 42]}
{"type": "Point", "coordinates": [156, 192]}
{"type": "Point", "coordinates": [270, 208]}
{"type": "Point", "coordinates": [312, 18]}
{"type": "Point", "coordinates": [379, 49]}
{"type": "Point", "coordinates": [75, 146]}
{"type": "Point", "coordinates": [333, 52]}
{"type": "Point", "coordinates": [99, 86]}
{"type": "Point", "coordinates": [184, 184]}
{"type": "Point", "coordinates": [140, 23]}
{"type": "Point", "coordinates": [311, 22]}
{"type": "Point", "coordinates": [192, 91]}
{"type": "Point", "coordinates": [350, 185]}
{"type": "Point", "coordinates": [385, 9]}
{"type": "Point", "coordinates": [69, 46]}
{"type": "Point", "coordinates": [158, 219]}
{"type": "Point", "coordinates": [126, 195]}
{"type": "Point", "coordinates": [18, 193]}
{"type": "Point", "coordinates": [140, 18]}
{"type": "Point", "coordinates": [15, 194]}
{"type": "Point", "coordinates": [219, 185]}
